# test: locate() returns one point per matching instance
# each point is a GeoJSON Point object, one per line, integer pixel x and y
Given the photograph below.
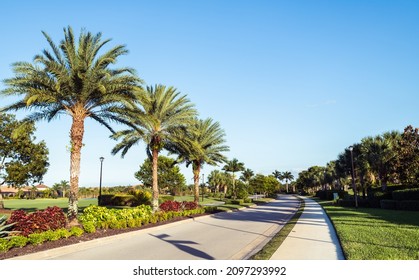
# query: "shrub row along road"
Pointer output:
{"type": "Point", "coordinates": [223, 236]}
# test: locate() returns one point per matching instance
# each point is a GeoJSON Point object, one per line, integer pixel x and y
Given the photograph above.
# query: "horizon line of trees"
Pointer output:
{"type": "Point", "coordinates": [389, 158]}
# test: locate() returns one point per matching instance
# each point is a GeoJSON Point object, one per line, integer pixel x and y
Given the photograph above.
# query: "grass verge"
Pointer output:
{"type": "Point", "coordinates": [375, 234]}
{"type": "Point", "coordinates": [270, 248]}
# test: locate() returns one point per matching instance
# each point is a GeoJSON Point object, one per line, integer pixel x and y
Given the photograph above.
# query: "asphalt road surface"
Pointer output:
{"type": "Point", "coordinates": [222, 236]}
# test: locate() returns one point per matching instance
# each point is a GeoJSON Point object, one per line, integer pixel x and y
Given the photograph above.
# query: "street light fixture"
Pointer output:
{"type": "Point", "coordinates": [203, 186]}
{"type": "Point", "coordinates": [351, 148]}
{"type": "Point", "coordinates": [100, 182]}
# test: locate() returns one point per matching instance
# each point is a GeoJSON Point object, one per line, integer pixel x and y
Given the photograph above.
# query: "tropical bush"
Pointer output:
{"type": "Point", "coordinates": [37, 238]}
{"type": "Point", "coordinates": [5, 245]}
{"type": "Point", "coordinates": [171, 205]}
{"type": "Point", "coordinates": [178, 206]}
{"type": "Point", "coordinates": [122, 200]}
{"type": "Point", "coordinates": [102, 217]}
{"type": "Point", "coordinates": [18, 241]}
{"type": "Point", "coordinates": [51, 218]}
{"type": "Point", "coordinates": [76, 231]}
{"type": "Point", "coordinates": [5, 227]}
{"type": "Point", "coordinates": [237, 201]}
{"type": "Point", "coordinates": [141, 197]}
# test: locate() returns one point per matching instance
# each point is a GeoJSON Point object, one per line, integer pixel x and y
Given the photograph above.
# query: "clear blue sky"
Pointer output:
{"type": "Point", "coordinates": [293, 83]}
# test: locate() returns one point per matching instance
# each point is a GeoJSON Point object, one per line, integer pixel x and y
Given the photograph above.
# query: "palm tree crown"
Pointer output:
{"type": "Point", "coordinates": [76, 80]}
{"type": "Point", "coordinates": [161, 120]}
{"type": "Point", "coordinates": [204, 144]}
{"type": "Point", "coordinates": [234, 166]}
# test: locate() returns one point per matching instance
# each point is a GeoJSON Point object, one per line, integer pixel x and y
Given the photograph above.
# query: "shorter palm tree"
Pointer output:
{"type": "Point", "coordinates": [204, 143]}
{"type": "Point", "coordinates": [160, 121]}
{"type": "Point", "coordinates": [247, 175]}
{"type": "Point", "coordinates": [234, 166]}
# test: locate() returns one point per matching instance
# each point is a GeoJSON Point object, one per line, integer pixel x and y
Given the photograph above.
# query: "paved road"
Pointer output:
{"type": "Point", "coordinates": [223, 236]}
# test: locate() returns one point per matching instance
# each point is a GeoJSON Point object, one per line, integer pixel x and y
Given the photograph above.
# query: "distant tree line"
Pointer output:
{"type": "Point", "coordinates": [388, 158]}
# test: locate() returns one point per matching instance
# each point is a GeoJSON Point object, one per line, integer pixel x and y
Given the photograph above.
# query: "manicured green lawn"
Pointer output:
{"type": "Point", "coordinates": [376, 234]}
{"type": "Point", "coordinates": [42, 203]}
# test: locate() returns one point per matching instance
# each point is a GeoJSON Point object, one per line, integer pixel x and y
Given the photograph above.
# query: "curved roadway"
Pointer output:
{"type": "Point", "coordinates": [222, 236]}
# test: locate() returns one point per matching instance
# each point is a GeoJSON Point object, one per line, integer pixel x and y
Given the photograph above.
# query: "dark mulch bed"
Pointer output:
{"type": "Point", "coordinates": [29, 249]}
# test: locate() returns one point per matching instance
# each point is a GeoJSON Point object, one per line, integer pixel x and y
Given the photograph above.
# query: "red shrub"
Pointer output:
{"type": "Point", "coordinates": [171, 205]}
{"type": "Point", "coordinates": [189, 205]}
{"type": "Point", "coordinates": [50, 218]}
{"type": "Point", "coordinates": [177, 206]}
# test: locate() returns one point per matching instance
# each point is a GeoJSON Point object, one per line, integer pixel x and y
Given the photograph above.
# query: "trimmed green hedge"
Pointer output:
{"type": "Point", "coordinates": [409, 205]}
{"type": "Point", "coordinates": [328, 195]}
{"type": "Point", "coordinates": [407, 194]}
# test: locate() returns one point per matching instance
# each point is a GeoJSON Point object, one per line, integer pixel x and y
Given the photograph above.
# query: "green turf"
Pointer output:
{"type": "Point", "coordinates": [376, 234]}
{"type": "Point", "coordinates": [42, 203]}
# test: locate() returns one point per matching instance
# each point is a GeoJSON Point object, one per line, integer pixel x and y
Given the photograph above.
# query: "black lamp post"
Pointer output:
{"type": "Point", "coordinates": [203, 185]}
{"type": "Point", "coordinates": [351, 148]}
{"type": "Point", "coordinates": [100, 182]}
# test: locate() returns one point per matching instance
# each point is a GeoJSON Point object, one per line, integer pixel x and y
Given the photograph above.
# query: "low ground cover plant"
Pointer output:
{"type": "Point", "coordinates": [50, 224]}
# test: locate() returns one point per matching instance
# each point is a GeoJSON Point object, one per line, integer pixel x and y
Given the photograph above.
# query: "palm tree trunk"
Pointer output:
{"type": "Point", "coordinates": [76, 135]}
{"type": "Point", "coordinates": [234, 188]}
{"type": "Point", "coordinates": [155, 182]}
{"type": "Point", "coordinates": [1, 201]}
{"type": "Point", "coordinates": [196, 171]}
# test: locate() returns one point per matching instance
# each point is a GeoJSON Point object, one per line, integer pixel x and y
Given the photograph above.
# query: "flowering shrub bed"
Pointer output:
{"type": "Point", "coordinates": [48, 225]}
{"type": "Point", "coordinates": [51, 218]}
{"type": "Point", "coordinates": [178, 206]}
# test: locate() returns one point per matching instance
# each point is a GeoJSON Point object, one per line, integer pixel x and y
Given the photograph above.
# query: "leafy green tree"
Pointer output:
{"type": "Point", "coordinates": [22, 161]}
{"type": "Point", "coordinates": [310, 180]}
{"type": "Point", "coordinates": [74, 79]}
{"type": "Point", "coordinates": [204, 144]}
{"type": "Point", "coordinates": [169, 175]}
{"type": "Point", "coordinates": [408, 156]}
{"type": "Point", "coordinates": [161, 120]}
{"type": "Point", "coordinates": [267, 185]}
{"type": "Point", "coordinates": [234, 166]}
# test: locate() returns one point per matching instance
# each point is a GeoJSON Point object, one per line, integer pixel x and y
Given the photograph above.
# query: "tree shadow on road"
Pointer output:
{"type": "Point", "coordinates": [180, 244]}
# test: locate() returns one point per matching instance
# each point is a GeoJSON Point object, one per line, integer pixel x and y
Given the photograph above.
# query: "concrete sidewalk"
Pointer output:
{"type": "Point", "coordinates": [312, 238]}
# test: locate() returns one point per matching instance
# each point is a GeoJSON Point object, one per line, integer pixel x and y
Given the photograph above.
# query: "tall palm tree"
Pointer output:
{"type": "Point", "coordinates": [74, 79]}
{"type": "Point", "coordinates": [161, 120]}
{"type": "Point", "coordinates": [380, 152]}
{"type": "Point", "coordinates": [287, 176]}
{"type": "Point", "coordinates": [204, 144]}
{"type": "Point", "coordinates": [234, 166]}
